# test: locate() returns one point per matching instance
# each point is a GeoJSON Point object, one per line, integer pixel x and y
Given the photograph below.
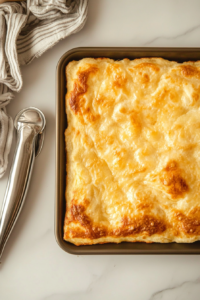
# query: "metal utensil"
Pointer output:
{"type": "Point", "coordinates": [30, 124]}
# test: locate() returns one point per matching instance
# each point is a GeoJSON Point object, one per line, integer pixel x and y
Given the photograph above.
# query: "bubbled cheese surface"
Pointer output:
{"type": "Point", "coordinates": [133, 151]}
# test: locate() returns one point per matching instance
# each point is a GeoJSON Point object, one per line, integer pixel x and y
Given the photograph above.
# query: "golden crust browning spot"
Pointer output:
{"type": "Point", "coordinates": [190, 71]}
{"type": "Point", "coordinates": [123, 110]}
{"type": "Point", "coordinates": [145, 78]}
{"type": "Point", "coordinates": [135, 120]}
{"type": "Point", "coordinates": [145, 205]}
{"type": "Point", "coordinates": [165, 95]}
{"type": "Point", "coordinates": [189, 224]}
{"type": "Point", "coordinates": [78, 215]}
{"type": "Point", "coordinates": [90, 116]}
{"type": "Point", "coordinates": [119, 81]}
{"type": "Point", "coordinates": [76, 100]}
{"type": "Point", "coordinates": [172, 179]}
{"type": "Point", "coordinates": [119, 78]}
{"type": "Point", "coordinates": [195, 97]}
{"type": "Point", "coordinates": [146, 225]}
{"type": "Point", "coordinates": [144, 66]}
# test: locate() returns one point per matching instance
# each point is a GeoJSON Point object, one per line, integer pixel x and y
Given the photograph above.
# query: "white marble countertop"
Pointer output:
{"type": "Point", "coordinates": [33, 266]}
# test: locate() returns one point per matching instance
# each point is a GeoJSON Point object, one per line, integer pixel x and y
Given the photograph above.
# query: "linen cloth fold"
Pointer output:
{"type": "Point", "coordinates": [27, 30]}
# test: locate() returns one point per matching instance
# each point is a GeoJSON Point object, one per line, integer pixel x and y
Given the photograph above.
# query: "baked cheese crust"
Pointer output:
{"type": "Point", "coordinates": [133, 151]}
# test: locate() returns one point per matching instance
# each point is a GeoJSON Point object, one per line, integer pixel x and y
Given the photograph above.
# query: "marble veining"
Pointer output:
{"type": "Point", "coordinates": [33, 266]}
{"type": "Point", "coordinates": [182, 34]}
{"type": "Point", "coordinates": [183, 291]}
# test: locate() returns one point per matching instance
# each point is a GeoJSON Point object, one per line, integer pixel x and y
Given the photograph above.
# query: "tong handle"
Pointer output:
{"type": "Point", "coordinates": [18, 182]}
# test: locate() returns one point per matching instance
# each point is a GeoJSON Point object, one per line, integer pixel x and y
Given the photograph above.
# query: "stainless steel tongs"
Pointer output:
{"type": "Point", "coordinates": [30, 124]}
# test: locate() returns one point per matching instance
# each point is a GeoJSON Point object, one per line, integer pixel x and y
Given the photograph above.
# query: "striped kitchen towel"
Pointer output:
{"type": "Point", "coordinates": [27, 29]}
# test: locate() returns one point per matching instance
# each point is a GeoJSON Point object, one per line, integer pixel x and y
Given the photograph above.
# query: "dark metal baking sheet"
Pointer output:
{"type": "Point", "coordinates": [176, 54]}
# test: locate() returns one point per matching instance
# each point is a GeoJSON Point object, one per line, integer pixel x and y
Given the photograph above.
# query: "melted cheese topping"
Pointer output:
{"type": "Point", "coordinates": [133, 151]}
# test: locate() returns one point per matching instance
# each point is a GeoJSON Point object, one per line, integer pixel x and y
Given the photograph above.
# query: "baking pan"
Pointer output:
{"type": "Point", "coordinates": [176, 54]}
